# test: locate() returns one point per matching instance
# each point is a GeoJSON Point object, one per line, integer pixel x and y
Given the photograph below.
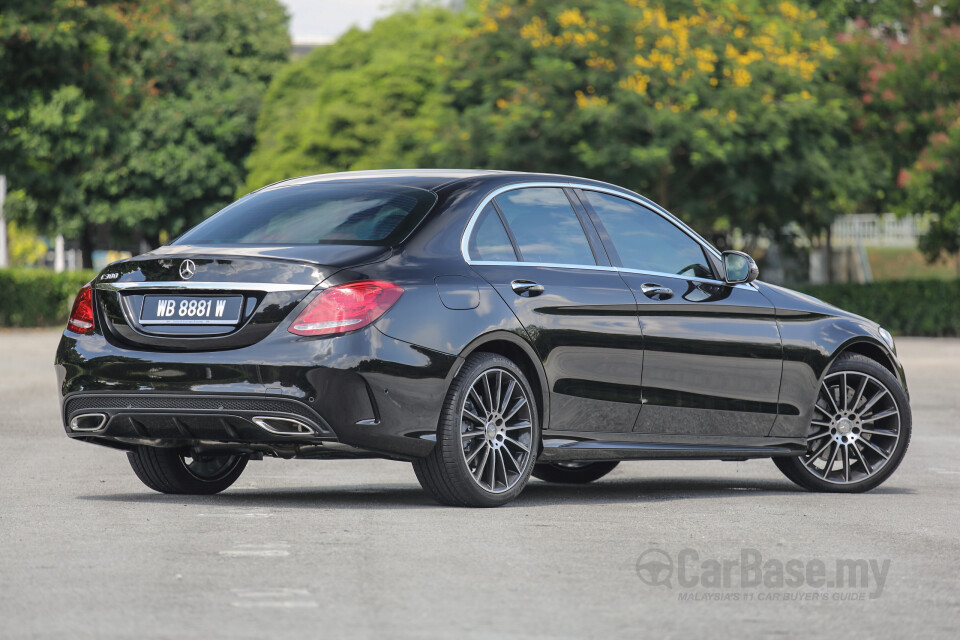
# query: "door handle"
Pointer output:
{"type": "Point", "coordinates": [656, 292]}
{"type": "Point", "coordinates": [526, 288]}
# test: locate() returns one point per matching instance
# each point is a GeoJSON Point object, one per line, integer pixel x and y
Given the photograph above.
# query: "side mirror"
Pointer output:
{"type": "Point", "coordinates": [739, 268]}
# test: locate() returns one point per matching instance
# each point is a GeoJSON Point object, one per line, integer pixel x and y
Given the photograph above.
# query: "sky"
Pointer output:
{"type": "Point", "coordinates": [322, 21]}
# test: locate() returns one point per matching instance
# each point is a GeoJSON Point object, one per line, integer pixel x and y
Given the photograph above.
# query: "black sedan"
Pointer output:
{"type": "Point", "coordinates": [484, 326]}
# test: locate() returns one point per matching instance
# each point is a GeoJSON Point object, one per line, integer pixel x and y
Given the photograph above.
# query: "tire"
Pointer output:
{"type": "Point", "coordinates": [863, 429]}
{"type": "Point", "coordinates": [462, 469]}
{"type": "Point", "coordinates": [573, 472]}
{"type": "Point", "coordinates": [167, 470]}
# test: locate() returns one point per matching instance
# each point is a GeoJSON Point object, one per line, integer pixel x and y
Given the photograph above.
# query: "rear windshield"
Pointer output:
{"type": "Point", "coordinates": [317, 213]}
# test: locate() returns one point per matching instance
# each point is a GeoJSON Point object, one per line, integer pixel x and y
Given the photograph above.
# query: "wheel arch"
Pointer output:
{"type": "Point", "coordinates": [812, 346]}
{"type": "Point", "coordinates": [874, 350]}
{"type": "Point", "coordinates": [521, 353]}
{"type": "Point", "coordinates": [870, 350]}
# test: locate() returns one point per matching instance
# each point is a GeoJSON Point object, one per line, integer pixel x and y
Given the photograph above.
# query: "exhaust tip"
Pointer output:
{"type": "Point", "coordinates": [283, 426]}
{"type": "Point", "coordinates": [88, 422]}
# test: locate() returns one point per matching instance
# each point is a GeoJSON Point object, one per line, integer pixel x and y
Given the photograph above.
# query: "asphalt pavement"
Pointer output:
{"type": "Point", "coordinates": [331, 549]}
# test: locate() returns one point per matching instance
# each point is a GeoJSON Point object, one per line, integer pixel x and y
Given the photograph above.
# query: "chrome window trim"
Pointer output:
{"type": "Point", "coordinates": [636, 199]}
{"type": "Point", "coordinates": [557, 265]}
{"type": "Point", "coordinates": [671, 275]}
{"type": "Point", "coordinates": [658, 274]}
{"type": "Point", "coordinates": [204, 286]}
{"type": "Point", "coordinates": [465, 237]}
{"type": "Point", "coordinates": [654, 274]}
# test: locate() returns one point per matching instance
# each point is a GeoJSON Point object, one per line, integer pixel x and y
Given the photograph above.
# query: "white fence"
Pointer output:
{"type": "Point", "coordinates": [878, 230]}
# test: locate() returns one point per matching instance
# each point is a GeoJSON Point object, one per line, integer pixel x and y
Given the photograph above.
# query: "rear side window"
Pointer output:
{"type": "Point", "coordinates": [490, 242]}
{"type": "Point", "coordinates": [318, 213]}
{"type": "Point", "coordinates": [545, 226]}
{"type": "Point", "coordinates": [647, 241]}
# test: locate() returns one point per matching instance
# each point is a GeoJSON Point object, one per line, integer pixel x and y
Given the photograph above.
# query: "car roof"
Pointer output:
{"type": "Point", "coordinates": [434, 179]}
{"type": "Point", "coordinates": [423, 178]}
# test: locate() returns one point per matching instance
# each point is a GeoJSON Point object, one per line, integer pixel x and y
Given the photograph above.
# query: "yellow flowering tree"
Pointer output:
{"type": "Point", "coordinates": [723, 111]}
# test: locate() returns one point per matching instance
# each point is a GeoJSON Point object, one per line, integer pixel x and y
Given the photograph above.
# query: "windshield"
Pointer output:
{"type": "Point", "coordinates": [317, 213]}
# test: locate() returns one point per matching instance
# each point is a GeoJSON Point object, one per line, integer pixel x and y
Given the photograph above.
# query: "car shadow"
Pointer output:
{"type": "Point", "coordinates": [536, 494]}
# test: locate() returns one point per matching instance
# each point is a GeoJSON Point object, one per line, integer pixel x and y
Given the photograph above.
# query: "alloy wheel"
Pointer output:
{"type": "Point", "coordinates": [855, 428]}
{"type": "Point", "coordinates": [496, 432]}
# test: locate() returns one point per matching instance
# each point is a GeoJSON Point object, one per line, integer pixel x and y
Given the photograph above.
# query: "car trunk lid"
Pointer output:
{"type": "Point", "coordinates": [201, 298]}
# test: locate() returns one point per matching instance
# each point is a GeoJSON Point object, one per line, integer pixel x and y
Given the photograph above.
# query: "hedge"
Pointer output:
{"type": "Point", "coordinates": [37, 297]}
{"type": "Point", "coordinates": [903, 307]}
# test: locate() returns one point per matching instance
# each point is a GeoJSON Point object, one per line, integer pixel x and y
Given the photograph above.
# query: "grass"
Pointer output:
{"type": "Point", "coordinates": [908, 264]}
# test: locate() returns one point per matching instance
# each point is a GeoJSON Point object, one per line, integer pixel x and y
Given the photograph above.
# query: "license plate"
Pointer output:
{"type": "Point", "coordinates": [191, 309]}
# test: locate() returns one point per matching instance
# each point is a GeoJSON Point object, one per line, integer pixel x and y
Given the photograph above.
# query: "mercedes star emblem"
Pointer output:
{"type": "Point", "coordinates": [187, 269]}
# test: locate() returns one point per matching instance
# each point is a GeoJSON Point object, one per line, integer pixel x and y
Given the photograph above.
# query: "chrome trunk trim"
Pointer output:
{"type": "Point", "coordinates": [204, 286]}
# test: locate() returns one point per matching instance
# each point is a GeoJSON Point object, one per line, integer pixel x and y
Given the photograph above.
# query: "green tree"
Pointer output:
{"type": "Point", "coordinates": [135, 116]}
{"type": "Point", "coordinates": [64, 86]}
{"type": "Point", "coordinates": [932, 185]}
{"type": "Point", "coordinates": [943, 237]}
{"type": "Point", "coordinates": [370, 100]}
{"type": "Point", "coordinates": [182, 155]}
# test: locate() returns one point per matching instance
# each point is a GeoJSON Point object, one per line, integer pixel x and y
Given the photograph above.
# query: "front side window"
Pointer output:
{"type": "Point", "coordinates": [318, 213]}
{"type": "Point", "coordinates": [647, 241]}
{"type": "Point", "coordinates": [545, 226]}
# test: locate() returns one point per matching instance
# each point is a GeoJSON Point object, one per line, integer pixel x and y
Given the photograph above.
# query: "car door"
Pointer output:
{"type": "Point", "coordinates": [545, 260]}
{"type": "Point", "coordinates": [712, 352]}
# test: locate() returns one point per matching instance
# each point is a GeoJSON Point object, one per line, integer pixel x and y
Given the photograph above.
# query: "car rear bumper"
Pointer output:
{"type": "Point", "coordinates": [359, 394]}
{"type": "Point", "coordinates": [248, 424]}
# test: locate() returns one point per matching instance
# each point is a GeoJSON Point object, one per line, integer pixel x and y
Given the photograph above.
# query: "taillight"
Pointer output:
{"type": "Point", "coordinates": [346, 308]}
{"type": "Point", "coordinates": [81, 316]}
